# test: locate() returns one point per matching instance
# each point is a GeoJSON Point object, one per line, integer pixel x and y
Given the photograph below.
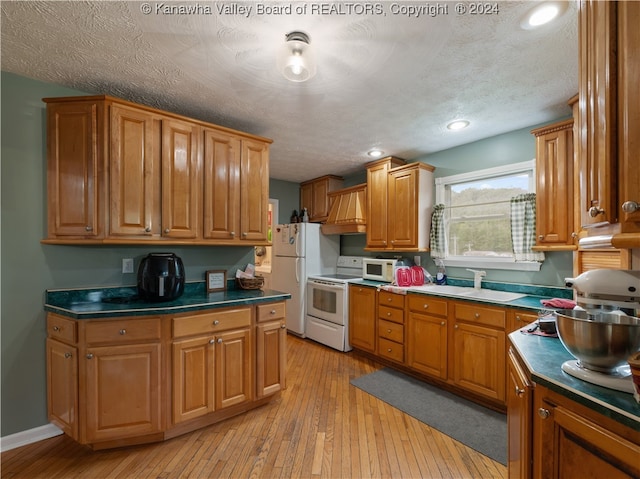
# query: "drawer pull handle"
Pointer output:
{"type": "Point", "coordinates": [122, 332]}
{"type": "Point", "coordinates": [67, 355]}
{"type": "Point", "coordinates": [544, 413]}
{"type": "Point", "coordinates": [216, 322]}
{"type": "Point", "coordinates": [56, 328]}
{"type": "Point", "coordinates": [90, 356]}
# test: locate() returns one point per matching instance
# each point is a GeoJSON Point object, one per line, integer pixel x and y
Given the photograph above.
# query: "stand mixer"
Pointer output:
{"type": "Point", "coordinates": [604, 329]}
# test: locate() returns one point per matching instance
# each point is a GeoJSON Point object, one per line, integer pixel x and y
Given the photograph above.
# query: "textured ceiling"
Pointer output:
{"type": "Point", "coordinates": [383, 80]}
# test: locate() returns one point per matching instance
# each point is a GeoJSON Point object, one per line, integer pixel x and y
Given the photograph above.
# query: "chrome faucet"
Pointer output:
{"type": "Point", "coordinates": [477, 277]}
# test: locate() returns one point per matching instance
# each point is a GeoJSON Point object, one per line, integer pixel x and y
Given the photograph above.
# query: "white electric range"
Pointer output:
{"type": "Point", "coordinates": [327, 318]}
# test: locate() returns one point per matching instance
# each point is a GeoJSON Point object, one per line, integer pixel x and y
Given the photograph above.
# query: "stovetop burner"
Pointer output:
{"type": "Point", "coordinates": [619, 379]}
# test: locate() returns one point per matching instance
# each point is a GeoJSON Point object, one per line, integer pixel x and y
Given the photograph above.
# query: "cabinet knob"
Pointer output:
{"type": "Point", "coordinates": [519, 392]}
{"type": "Point", "coordinates": [212, 341]}
{"type": "Point", "coordinates": [595, 211]}
{"type": "Point", "coordinates": [388, 330]}
{"type": "Point", "coordinates": [56, 328]}
{"type": "Point", "coordinates": [442, 323]}
{"type": "Point", "coordinates": [455, 327]}
{"type": "Point", "coordinates": [90, 356]}
{"type": "Point", "coordinates": [232, 233]}
{"type": "Point", "coordinates": [67, 355]}
{"type": "Point", "coordinates": [283, 326]}
{"type": "Point", "coordinates": [544, 413]}
{"type": "Point", "coordinates": [388, 314]}
{"type": "Point", "coordinates": [389, 299]}
{"type": "Point", "coordinates": [388, 350]}
{"type": "Point", "coordinates": [477, 315]}
{"type": "Point", "coordinates": [216, 322]}
{"type": "Point", "coordinates": [273, 311]}
{"type": "Point", "coordinates": [244, 233]}
{"type": "Point", "coordinates": [540, 237]}
{"type": "Point", "coordinates": [425, 306]}
{"type": "Point", "coordinates": [166, 230]}
{"type": "Point", "coordinates": [122, 332]}
{"type": "Point", "coordinates": [630, 206]}
{"type": "Point", "coordinates": [88, 228]}
{"type": "Point", "coordinates": [219, 340]}
{"type": "Point", "coordinates": [147, 229]}
{"type": "Point", "coordinates": [574, 234]}
{"type": "Point", "coordinates": [518, 318]}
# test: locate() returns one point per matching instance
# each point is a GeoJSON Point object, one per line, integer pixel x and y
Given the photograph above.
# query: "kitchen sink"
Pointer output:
{"type": "Point", "coordinates": [466, 292]}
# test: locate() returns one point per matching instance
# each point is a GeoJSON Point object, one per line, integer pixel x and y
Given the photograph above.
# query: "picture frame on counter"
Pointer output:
{"type": "Point", "coordinates": [216, 280]}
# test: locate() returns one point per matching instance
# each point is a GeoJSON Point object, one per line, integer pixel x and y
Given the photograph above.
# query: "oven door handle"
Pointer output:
{"type": "Point", "coordinates": [327, 285]}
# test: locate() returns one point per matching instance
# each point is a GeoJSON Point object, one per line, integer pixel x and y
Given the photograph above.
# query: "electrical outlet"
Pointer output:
{"type": "Point", "coordinates": [127, 265]}
{"type": "Point", "coordinates": [417, 260]}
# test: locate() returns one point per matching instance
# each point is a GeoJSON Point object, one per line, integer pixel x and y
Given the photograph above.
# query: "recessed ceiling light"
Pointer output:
{"type": "Point", "coordinates": [458, 125]}
{"type": "Point", "coordinates": [375, 153]}
{"type": "Point", "coordinates": [543, 14]}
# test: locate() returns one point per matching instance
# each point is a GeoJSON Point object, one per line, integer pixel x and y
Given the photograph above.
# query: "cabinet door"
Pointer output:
{"type": "Point", "coordinates": [377, 206]}
{"type": "Point", "coordinates": [181, 180]}
{"type": "Point", "coordinates": [62, 386]}
{"type": "Point", "coordinates": [134, 173]}
{"type": "Point", "coordinates": [74, 169]}
{"type": "Point", "coordinates": [306, 199]}
{"type": "Point", "coordinates": [193, 378]}
{"type": "Point", "coordinates": [271, 363]}
{"type": "Point", "coordinates": [519, 420]}
{"type": "Point", "coordinates": [479, 360]}
{"type": "Point", "coordinates": [629, 112]}
{"type": "Point", "coordinates": [221, 160]}
{"type": "Point", "coordinates": [427, 344]}
{"type": "Point", "coordinates": [402, 218]}
{"type": "Point", "coordinates": [362, 318]}
{"type": "Point", "coordinates": [233, 368]}
{"type": "Point", "coordinates": [597, 93]}
{"type": "Point", "coordinates": [254, 190]}
{"type": "Point", "coordinates": [554, 187]}
{"type": "Point", "coordinates": [573, 446]}
{"type": "Point", "coordinates": [123, 387]}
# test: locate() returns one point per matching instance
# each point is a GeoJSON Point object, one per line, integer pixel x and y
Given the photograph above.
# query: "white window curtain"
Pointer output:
{"type": "Point", "coordinates": [438, 234]}
{"type": "Point", "coordinates": [523, 228]}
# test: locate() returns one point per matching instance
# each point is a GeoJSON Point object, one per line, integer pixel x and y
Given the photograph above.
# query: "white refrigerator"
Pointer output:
{"type": "Point", "coordinates": [300, 250]}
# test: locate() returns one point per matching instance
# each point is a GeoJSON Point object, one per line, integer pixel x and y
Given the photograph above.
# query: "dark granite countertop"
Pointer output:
{"type": "Point", "coordinates": [122, 301]}
{"type": "Point", "coordinates": [543, 357]}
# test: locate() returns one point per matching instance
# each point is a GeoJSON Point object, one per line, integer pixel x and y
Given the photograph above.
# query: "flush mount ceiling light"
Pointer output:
{"type": "Point", "coordinates": [542, 14]}
{"type": "Point", "coordinates": [295, 60]}
{"type": "Point", "coordinates": [375, 153]}
{"type": "Point", "coordinates": [458, 125]}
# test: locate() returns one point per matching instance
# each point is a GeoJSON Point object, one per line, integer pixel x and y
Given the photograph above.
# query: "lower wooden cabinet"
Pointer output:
{"type": "Point", "coordinates": [427, 336]}
{"type": "Point", "coordinates": [519, 403]}
{"type": "Point", "coordinates": [121, 381]}
{"type": "Point", "coordinates": [362, 317]}
{"type": "Point", "coordinates": [390, 328]}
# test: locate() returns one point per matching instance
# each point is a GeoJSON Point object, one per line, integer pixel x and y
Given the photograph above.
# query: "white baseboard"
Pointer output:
{"type": "Point", "coordinates": [28, 437]}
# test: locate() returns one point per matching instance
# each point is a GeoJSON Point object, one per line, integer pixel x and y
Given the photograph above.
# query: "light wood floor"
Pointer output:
{"type": "Point", "coordinates": [320, 426]}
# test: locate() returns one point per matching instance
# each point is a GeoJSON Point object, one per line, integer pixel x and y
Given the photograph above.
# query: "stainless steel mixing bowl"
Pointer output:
{"type": "Point", "coordinates": [601, 341]}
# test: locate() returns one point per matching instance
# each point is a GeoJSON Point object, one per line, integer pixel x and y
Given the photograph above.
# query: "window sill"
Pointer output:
{"type": "Point", "coordinates": [505, 264]}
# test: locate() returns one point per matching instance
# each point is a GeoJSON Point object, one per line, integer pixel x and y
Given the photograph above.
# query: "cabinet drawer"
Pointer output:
{"type": "Point", "coordinates": [390, 299]}
{"type": "Point", "coordinates": [268, 312]}
{"type": "Point", "coordinates": [481, 315]}
{"type": "Point", "coordinates": [391, 331]}
{"type": "Point", "coordinates": [211, 322]}
{"type": "Point", "coordinates": [60, 328]}
{"type": "Point", "coordinates": [391, 314]}
{"type": "Point", "coordinates": [425, 304]}
{"type": "Point", "coordinates": [391, 350]}
{"type": "Point", "coordinates": [120, 331]}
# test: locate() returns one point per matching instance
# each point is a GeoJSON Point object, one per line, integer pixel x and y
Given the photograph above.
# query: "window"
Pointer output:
{"type": "Point", "coordinates": [477, 215]}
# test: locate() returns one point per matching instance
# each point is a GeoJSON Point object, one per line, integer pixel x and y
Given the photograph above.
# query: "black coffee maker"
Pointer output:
{"type": "Point", "coordinates": [161, 277]}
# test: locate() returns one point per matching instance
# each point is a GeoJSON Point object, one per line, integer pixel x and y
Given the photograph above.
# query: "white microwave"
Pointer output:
{"type": "Point", "coordinates": [378, 269]}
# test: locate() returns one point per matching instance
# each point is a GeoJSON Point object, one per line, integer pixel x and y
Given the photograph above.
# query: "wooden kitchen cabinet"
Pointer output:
{"type": "Point", "coordinates": [570, 440]}
{"type": "Point", "coordinates": [234, 383]}
{"type": "Point", "coordinates": [314, 196]}
{"type": "Point", "coordinates": [390, 327]}
{"type": "Point", "coordinates": [555, 228]}
{"type": "Point", "coordinates": [377, 200]}
{"type": "Point", "coordinates": [75, 176]}
{"type": "Point", "coordinates": [427, 335]}
{"type": "Point", "coordinates": [122, 173]}
{"type": "Point", "coordinates": [271, 349]}
{"type": "Point", "coordinates": [410, 204]}
{"type": "Point", "coordinates": [362, 317]}
{"type": "Point", "coordinates": [62, 386]}
{"type": "Point", "coordinates": [519, 319]}
{"type": "Point", "coordinates": [519, 419]}
{"type": "Point", "coordinates": [609, 116]}
{"type": "Point", "coordinates": [479, 349]}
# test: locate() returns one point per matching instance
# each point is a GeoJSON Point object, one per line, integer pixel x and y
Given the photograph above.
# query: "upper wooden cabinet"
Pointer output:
{"type": "Point", "coordinates": [554, 187]}
{"type": "Point", "coordinates": [125, 173]}
{"type": "Point", "coordinates": [314, 196]}
{"type": "Point", "coordinates": [377, 195]}
{"type": "Point", "coordinates": [609, 115]}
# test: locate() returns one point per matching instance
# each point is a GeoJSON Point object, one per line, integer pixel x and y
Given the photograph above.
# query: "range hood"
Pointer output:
{"type": "Point", "coordinates": [347, 213]}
